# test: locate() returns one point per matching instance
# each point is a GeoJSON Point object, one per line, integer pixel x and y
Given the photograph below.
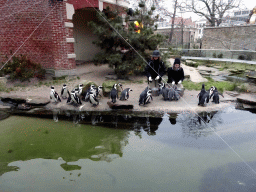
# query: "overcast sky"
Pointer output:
{"type": "Point", "coordinates": [250, 4]}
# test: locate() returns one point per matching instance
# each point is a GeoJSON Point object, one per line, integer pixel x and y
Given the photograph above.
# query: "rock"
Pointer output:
{"type": "Point", "coordinates": [37, 101]}
{"type": "Point", "coordinates": [248, 99]}
{"type": "Point", "coordinates": [232, 93]}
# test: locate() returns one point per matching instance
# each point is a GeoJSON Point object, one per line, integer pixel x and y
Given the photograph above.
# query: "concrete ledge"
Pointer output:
{"type": "Point", "coordinates": [70, 72]}
{"type": "Point", "coordinates": [71, 55]}
{"type": "Point", "coordinates": [70, 40]}
{"type": "Point", "coordinates": [69, 24]}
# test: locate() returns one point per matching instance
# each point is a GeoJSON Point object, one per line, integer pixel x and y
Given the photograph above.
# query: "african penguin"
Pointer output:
{"type": "Point", "coordinates": [74, 98]}
{"type": "Point", "coordinates": [99, 88]}
{"type": "Point", "coordinates": [93, 100]}
{"type": "Point", "coordinates": [64, 92]}
{"type": "Point", "coordinates": [165, 91]}
{"type": "Point", "coordinates": [114, 93]}
{"type": "Point", "coordinates": [54, 95]}
{"type": "Point", "coordinates": [149, 96]}
{"type": "Point", "coordinates": [200, 95]}
{"type": "Point", "coordinates": [145, 96]}
{"type": "Point", "coordinates": [204, 98]}
{"type": "Point", "coordinates": [87, 93]}
{"type": "Point", "coordinates": [125, 94]}
{"type": "Point", "coordinates": [80, 90]}
{"type": "Point", "coordinates": [215, 95]}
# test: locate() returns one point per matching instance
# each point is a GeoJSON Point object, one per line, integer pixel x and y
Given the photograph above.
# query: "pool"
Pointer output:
{"type": "Point", "coordinates": [174, 152]}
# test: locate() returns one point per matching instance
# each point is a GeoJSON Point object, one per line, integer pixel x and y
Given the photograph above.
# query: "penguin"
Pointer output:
{"type": "Point", "coordinates": [204, 98]}
{"type": "Point", "coordinates": [54, 96]}
{"type": "Point", "coordinates": [125, 94]}
{"type": "Point", "coordinates": [200, 95]}
{"type": "Point", "coordinates": [145, 96]}
{"type": "Point", "coordinates": [215, 95]}
{"type": "Point", "coordinates": [74, 98]}
{"type": "Point", "coordinates": [149, 96]}
{"type": "Point", "coordinates": [114, 93]}
{"type": "Point", "coordinates": [93, 99]}
{"type": "Point", "coordinates": [65, 92]}
{"type": "Point", "coordinates": [87, 93]}
{"type": "Point", "coordinates": [165, 91]}
{"type": "Point", "coordinates": [121, 86]}
{"type": "Point", "coordinates": [176, 94]}
{"type": "Point", "coordinates": [160, 89]}
{"type": "Point", "coordinates": [80, 90]}
{"type": "Point", "coordinates": [98, 90]}
{"type": "Point", "coordinates": [171, 93]}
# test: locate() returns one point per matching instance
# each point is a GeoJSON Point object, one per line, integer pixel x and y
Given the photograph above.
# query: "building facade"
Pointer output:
{"type": "Point", "coordinates": [54, 33]}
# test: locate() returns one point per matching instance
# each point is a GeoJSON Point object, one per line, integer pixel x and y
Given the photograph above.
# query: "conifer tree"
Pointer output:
{"type": "Point", "coordinates": [118, 42]}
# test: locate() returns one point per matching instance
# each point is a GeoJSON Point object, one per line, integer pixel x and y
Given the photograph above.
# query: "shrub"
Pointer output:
{"type": "Point", "coordinates": [220, 55]}
{"type": "Point", "coordinates": [20, 67]}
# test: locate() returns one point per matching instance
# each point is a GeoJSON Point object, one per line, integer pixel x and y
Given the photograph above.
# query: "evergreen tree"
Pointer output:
{"type": "Point", "coordinates": [124, 47]}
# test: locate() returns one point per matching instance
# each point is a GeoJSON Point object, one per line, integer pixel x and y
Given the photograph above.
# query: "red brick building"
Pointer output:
{"type": "Point", "coordinates": [53, 33]}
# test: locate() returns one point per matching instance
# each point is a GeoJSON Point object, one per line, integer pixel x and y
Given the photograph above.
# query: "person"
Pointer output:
{"type": "Point", "coordinates": [155, 69]}
{"type": "Point", "coordinates": [176, 74]}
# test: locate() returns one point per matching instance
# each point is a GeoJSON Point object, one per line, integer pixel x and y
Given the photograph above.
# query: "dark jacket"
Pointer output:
{"type": "Point", "coordinates": [175, 75]}
{"type": "Point", "coordinates": [159, 68]}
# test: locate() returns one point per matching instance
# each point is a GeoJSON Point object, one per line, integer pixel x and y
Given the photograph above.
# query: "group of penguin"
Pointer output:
{"type": "Point", "coordinates": [91, 95]}
{"type": "Point", "coordinates": [205, 96]}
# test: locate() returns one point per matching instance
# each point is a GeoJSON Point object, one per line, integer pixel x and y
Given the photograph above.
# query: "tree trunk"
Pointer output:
{"type": "Point", "coordinates": [173, 18]}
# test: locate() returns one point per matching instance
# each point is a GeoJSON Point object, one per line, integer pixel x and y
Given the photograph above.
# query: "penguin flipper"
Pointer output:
{"type": "Point", "coordinates": [62, 90]}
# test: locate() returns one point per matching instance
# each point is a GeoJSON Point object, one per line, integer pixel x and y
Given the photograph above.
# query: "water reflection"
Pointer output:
{"type": "Point", "coordinates": [203, 124]}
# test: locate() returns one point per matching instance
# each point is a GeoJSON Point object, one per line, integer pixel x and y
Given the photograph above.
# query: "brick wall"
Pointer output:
{"type": "Point", "coordinates": [47, 45]}
{"type": "Point", "coordinates": [236, 38]}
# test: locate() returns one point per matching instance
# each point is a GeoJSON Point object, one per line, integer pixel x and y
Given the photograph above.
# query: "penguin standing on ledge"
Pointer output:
{"type": "Point", "coordinates": [113, 93]}
{"type": "Point", "coordinates": [80, 90]}
{"type": "Point", "coordinates": [64, 92]}
{"type": "Point", "coordinates": [125, 94]}
{"type": "Point", "coordinates": [93, 99]}
{"type": "Point", "coordinates": [214, 94]}
{"type": "Point", "coordinates": [54, 96]}
{"type": "Point", "coordinates": [145, 96]}
{"type": "Point", "coordinates": [74, 98]}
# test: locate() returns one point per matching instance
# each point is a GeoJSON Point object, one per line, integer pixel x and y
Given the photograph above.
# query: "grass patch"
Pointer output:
{"type": "Point", "coordinates": [221, 85]}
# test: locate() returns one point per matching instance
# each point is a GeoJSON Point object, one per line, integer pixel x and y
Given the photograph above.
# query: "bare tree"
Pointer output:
{"type": "Point", "coordinates": [213, 10]}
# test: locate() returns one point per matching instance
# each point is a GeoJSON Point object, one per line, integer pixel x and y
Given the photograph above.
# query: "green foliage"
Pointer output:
{"type": "Point", "coordinates": [221, 85]}
{"type": "Point", "coordinates": [124, 49]}
{"type": "Point", "coordinates": [20, 67]}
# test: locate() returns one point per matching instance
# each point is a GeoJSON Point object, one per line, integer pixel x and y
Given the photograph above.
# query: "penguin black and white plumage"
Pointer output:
{"type": "Point", "coordinates": [149, 96]}
{"type": "Point", "coordinates": [125, 94]}
{"type": "Point", "coordinates": [214, 94]}
{"type": "Point", "coordinates": [54, 96]}
{"type": "Point", "coordinates": [98, 90]}
{"type": "Point", "coordinates": [145, 96]}
{"type": "Point", "coordinates": [93, 99]}
{"type": "Point", "coordinates": [80, 90]}
{"type": "Point", "coordinates": [87, 93]}
{"type": "Point", "coordinates": [204, 96]}
{"type": "Point", "coordinates": [200, 95]}
{"type": "Point", "coordinates": [165, 91]}
{"type": "Point", "coordinates": [74, 98]}
{"type": "Point", "coordinates": [114, 93]}
{"type": "Point", "coordinates": [171, 93]}
{"type": "Point", "coordinates": [64, 92]}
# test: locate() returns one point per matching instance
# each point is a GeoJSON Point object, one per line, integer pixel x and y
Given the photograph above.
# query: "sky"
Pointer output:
{"type": "Point", "coordinates": [250, 4]}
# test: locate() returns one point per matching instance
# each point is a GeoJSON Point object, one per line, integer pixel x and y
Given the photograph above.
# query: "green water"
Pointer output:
{"type": "Point", "coordinates": [43, 155]}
